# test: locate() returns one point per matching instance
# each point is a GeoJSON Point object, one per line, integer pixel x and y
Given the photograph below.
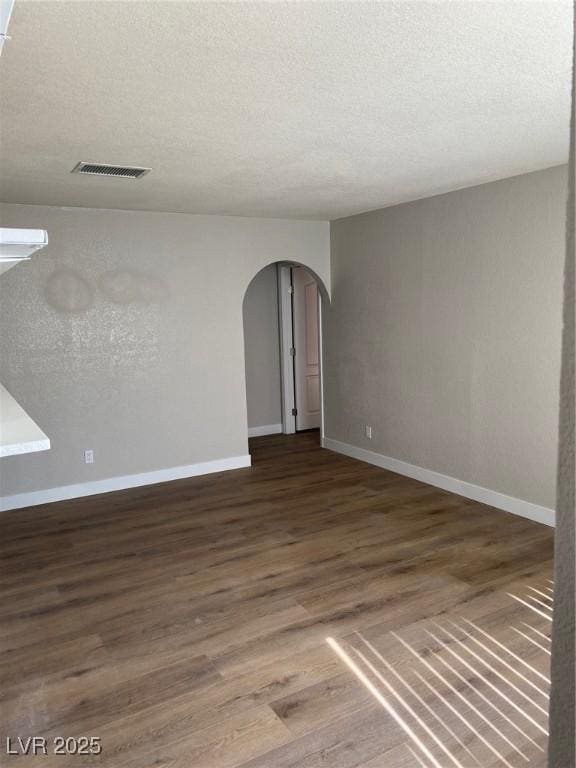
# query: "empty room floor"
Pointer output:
{"type": "Point", "coordinates": [310, 611]}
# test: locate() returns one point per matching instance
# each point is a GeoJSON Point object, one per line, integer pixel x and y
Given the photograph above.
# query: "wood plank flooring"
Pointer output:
{"type": "Point", "coordinates": [310, 611]}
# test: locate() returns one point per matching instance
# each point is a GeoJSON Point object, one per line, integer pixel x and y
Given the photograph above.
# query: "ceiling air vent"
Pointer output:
{"type": "Point", "coordinates": [101, 169]}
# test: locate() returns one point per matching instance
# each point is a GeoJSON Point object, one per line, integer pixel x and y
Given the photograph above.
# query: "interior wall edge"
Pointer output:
{"type": "Point", "coordinates": [460, 487]}
{"type": "Point", "coordinates": [562, 713]}
{"type": "Point", "coordinates": [121, 483]}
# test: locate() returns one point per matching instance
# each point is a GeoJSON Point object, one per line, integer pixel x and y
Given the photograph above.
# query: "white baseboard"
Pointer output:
{"type": "Point", "coordinates": [447, 483]}
{"type": "Point", "coordinates": [19, 500]}
{"type": "Point", "coordinates": [267, 429]}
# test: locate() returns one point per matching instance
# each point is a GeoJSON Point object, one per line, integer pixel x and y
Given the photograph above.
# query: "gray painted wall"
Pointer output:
{"type": "Point", "coordinates": [262, 349]}
{"type": "Point", "coordinates": [125, 336]}
{"type": "Point", "coordinates": [444, 333]}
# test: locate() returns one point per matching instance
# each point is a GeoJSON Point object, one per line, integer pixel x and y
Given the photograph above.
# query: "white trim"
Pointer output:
{"type": "Point", "coordinates": [33, 498]}
{"type": "Point", "coordinates": [452, 484]}
{"type": "Point", "coordinates": [266, 429]}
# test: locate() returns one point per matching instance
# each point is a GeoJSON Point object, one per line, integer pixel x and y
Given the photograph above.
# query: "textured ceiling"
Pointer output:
{"type": "Point", "coordinates": [302, 109]}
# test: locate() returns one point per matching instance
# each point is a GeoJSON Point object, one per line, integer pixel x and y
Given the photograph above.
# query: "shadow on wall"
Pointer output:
{"type": "Point", "coordinates": [68, 291]}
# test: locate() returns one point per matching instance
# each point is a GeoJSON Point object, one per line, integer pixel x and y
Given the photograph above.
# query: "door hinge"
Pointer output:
{"type": "Point", "coordinates": [294, 411]}
{"type": "Point", "coordinates": [292, 351]}
{"type": "Point", "coordinates": [290, 289]}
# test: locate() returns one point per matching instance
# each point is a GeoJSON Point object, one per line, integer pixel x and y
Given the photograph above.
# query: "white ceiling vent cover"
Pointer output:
{"type": "Point", "coordinates": [102, 169]}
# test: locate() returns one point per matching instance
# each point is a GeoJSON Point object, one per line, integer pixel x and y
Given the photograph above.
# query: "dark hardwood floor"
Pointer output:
{"type": "Point", "coordinates": [310, 611]}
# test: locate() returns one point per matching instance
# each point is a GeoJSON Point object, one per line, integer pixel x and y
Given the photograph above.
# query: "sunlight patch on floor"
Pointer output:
{"type": "Point", "coordinates": [463, 696]}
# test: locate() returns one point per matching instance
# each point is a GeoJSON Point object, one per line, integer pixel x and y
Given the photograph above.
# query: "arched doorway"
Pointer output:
{"type": "Point", "coordinates": [282, 311]}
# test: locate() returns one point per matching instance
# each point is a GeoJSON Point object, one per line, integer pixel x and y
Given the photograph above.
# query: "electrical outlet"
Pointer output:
{"type": "Point", "coordinates": [89, 456]}
{"type": "Point", "coordinates": [368, 432]}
